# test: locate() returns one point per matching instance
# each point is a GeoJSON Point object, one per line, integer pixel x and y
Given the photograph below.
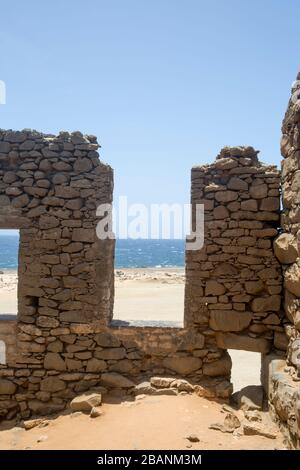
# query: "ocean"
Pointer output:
{"type": "Point", "coordinates": [129, 253]}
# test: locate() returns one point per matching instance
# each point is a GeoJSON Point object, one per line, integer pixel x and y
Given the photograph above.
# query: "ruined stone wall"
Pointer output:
{"type": "Point", "coordinates": [63, 342]}
{"type": "Point", "coordinates": [81, 357]}
{"type": "Point", "coordinates": [50, 188]}
{"type": "Point", "coordinates": [284, 377]}
{"type": "Point", "coordinates": [233, 284]}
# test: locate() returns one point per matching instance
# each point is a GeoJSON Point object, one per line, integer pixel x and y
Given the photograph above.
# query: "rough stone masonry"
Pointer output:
{"type": "Point", "coordinates": [234, 283]}
{"type": "Point", "coordinates": [63, 342]}
{"type": "Point", "coordinates": [282, 377]}
{"type": "Point", "coordinates": [50, 188]}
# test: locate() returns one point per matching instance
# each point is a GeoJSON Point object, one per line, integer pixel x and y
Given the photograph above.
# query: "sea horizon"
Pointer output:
{"type": "Point", "coordinates": [140, 253]}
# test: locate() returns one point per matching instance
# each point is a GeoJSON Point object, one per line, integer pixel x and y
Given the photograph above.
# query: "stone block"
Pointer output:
{"type": "Point", "coordinates": [243, 342]}
{"type": "Point", "coordinates": [182, 365]}
{"type": "Point", "coordinates": [220, 367]}
{"type": "Point", "coordinates": [229, 320]}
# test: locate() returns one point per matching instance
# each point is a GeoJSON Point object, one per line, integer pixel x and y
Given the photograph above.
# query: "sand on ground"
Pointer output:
{"type": "Point", "coordinates": [150, 295]}
{"type": "Point", "coordinates": [157, 422]}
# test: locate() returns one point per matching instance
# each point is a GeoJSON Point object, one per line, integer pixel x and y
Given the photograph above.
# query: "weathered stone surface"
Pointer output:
{"type": "Point", "coordinates": [66, 192]}
{"type": "Point", "coordinates": [270, 204]}
{"type": "Point", "coordinates": [165, 391]}
{"type": "Point", "coordinates": [256, 429]}
{"type": "Point", "coordinates": [243, 342]}
{"type": "Point", "coordinates": [114, 380]}
{"type": "Point", "coordinates": [84, 235]}
{"type": "Point", "coordinates": [182, 385]}
{"type": "Point", "coordinates": [192, 438]}
{"type": "Point", "coordinates": [31, 330]}
{"type": "Point", "coordinates": [285, 248]}
{"type": "Point", "coordinates": [249, 205]}
{"type": "Point", "coordinates": [220, 367]}
{"type": "Point", "coordinates": [52, 384]}
{"type": "Point", "coordinates": [230, 424]}
{"type": "Point", "coordinates": [237, 184]}
{"type": "Point", "coordinates": [182, 365]}
{"type": "Point", "coordinates": [220, 212]}
{"type": "Point", "coordinates": [224, 389]}
{"type": "Point", "coordinates": [124, 366]}
{"type": "Point", "coordinates": [258, 191]}
{"type": "Point", "coordinates": [226, 196]}
{"type": "Point", "coordinates": [43, 409]}
{"type": "Point", "coordinates": [4, 201]}
{"type": "Point", "coordinates": [82, 165]}
{"type": "Point", "coordinates": [292, 279]}
{"type": "Point", "coordinates": [254, 287]}
{"type": "Point", "coordinates": [86, 402]}
{"type": "Point", "coordinates": [95, 412]}
{"type": "Point", "coordinates": [272, 319]}
{"type": "Point", "coordinates": [95, 365]}
{"type": "Point", "coordinates": [267, 304]}
{"type": "Point", "coordinates": [226, 163]}
{"type": "Point", "coordinates": [214, 288]}
{"type": "Point", "coordinates": [229, 320]}
{"type": "Point", "coordinates": [47, 322]}
{"type": "Point", "coordinates": [72, 316]}
{"type": "Point", "coordinates": [73, 364]}
{"type": "Point", "coordinates": [111, 353]}
{"type": "Point", "coordinates": [33, 423]}
{"type": "Point", "coordinates": [107, 340]}
{"type": "Point", "coordinates": [4, 147]}
{"type": "Point", "coordinates": [281, 341]}
{"type": "Point", "coordinates": [7, 387]}
{"type": "Point", "coordinates": [161, 382]}
{"type": "Point", "coordinates": [250, 398]}
{"type": "Point", "coordinates": [54, 361]}
{"type": "Point", "coordinates": [144, 388]}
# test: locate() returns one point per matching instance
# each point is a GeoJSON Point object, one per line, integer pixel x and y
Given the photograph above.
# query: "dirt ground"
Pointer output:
{"type": "Point", "coordinates": [160, 422]}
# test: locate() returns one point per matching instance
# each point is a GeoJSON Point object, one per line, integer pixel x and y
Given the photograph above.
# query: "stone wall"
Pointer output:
{"type": "Point", "coordinates": [284, 377]}
{"type": "Point", "coordinates": [63, 342]}
{"type": "Point", "coordinates": [50, 187]}
{"type": "Point", "coordinates": [233, 284]}
{"type": "Point", "coordinates": [81, 357]}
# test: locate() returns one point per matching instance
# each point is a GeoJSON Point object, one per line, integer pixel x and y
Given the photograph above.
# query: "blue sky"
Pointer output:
{"type": "Point", "coordinates": [164, 84]}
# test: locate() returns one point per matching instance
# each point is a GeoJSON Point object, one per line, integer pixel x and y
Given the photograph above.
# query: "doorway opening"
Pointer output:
{"type": "Point", "coordinates": [149, 283]}
{"type": "Point", "coordinates": [246, 368]}
{"type": "Point", "coordinates": [9, 252]}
